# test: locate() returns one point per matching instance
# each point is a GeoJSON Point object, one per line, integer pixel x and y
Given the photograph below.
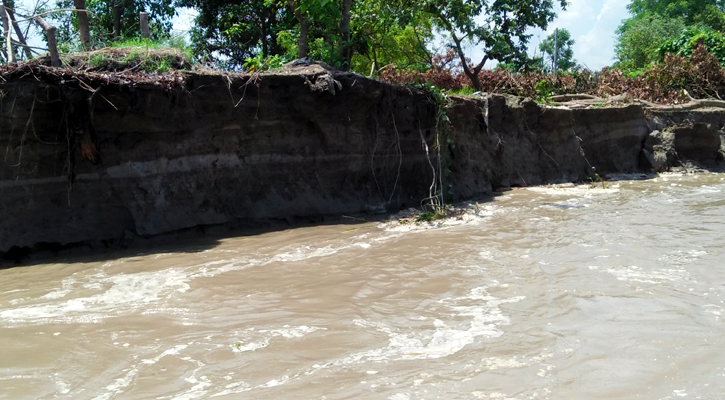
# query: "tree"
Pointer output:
{"type": "Point", "coordinates": [655, 22]}
{"type": "Point", "coordinates": [83, 26]}
{"type": "Point", "coordinates": [639, 39]}
{"type": "Point", "coordinates": [692, 12]}
{"type": "Point", "coordinates": [501, 31]}
{"type": "Point", "coordinates": [390, 32]}
{"type": "Point", "coordinates": [566, 53]}
{"type": "Point", "coordinates": [232, 31]}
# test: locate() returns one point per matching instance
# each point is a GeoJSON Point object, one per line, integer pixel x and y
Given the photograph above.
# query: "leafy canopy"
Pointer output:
{"type": "Point", "coordinates": [640, 38]}
{"type": "Point", "coordinates": [655, 22]}
{"type": "Point", "coordinates": [688, 40]}
{"type": "Point", "coordinates": [692, 12]}
{"type": "Point", "coordinates": [497, 27]}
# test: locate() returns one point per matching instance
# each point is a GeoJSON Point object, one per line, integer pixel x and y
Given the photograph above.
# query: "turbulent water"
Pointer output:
{"type": "Point", "coordinates": [611, 292]}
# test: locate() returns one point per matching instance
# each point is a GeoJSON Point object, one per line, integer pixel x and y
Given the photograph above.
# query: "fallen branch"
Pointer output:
{"type": "Point", "coordinates": [693, 104]}
{"type": "Point", "coordinates": [563, 98]}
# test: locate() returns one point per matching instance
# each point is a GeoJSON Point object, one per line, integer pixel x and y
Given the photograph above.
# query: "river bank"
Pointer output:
{"type": "Point", "coordinates": [101, 161]}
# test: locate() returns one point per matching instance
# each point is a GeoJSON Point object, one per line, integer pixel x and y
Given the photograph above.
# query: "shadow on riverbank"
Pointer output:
{"type": "Point", "coordinates": [192, 240]}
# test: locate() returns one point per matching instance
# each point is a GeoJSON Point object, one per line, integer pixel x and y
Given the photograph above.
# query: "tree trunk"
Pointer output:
{"type": "Point", "coordinates": [117, 14]}
{"type": "Point", "coordinates": [475, 81]}
{"type": "Point", "coordinates": [80, 6]}
{"type": "Point", "coordinates": [50, 36]}
{"type": "Point", "coordinates": [472, 74]}
{"type": "Point", "coordinates": [302, 42]}
{"type": "Point", "coordinates": [265, 41]}
{"type": "Point", "coordinates": [345, 47]}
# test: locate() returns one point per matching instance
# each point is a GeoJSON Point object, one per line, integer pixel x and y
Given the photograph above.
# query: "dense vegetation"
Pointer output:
{"type": "Point", "coordinates": [665, 47]}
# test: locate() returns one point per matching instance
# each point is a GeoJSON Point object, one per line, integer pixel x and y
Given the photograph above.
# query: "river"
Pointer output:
{"type": "Point", "coordinates": [607, 292]}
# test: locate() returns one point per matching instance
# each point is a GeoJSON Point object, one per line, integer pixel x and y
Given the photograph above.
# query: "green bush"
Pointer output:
{"type": "Point", "coordinates": [689, 39]}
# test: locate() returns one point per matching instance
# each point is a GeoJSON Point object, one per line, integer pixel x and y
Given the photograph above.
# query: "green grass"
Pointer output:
{"type": "Point", "coordinates": [464, 91]}
{"type": "Point", "coordinates": [174, 41]}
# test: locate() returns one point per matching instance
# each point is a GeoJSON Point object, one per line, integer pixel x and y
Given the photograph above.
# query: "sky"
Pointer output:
{"type": "Point", "coordinates": [592, 24]}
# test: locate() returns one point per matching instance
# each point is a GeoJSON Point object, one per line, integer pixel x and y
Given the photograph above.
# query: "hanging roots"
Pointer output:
{"type": "Point", "coordinates": [89, 150]}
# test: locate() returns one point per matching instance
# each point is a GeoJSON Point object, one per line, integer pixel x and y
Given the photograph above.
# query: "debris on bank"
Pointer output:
{"type": "Point", "coordinates": [164, 67]}
{"type": "Point", "coordinates": [418, 219]}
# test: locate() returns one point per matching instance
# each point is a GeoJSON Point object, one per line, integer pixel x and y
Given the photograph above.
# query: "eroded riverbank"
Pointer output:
{"type": "Point", "coordinates": [102, 168]}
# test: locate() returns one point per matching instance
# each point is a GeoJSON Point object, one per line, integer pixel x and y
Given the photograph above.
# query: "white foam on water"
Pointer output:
{"type": "Point", "coordinates": [286, 332]}
{"type": "Point", "coordinates": [66, 288]}
{"type": "Point", "coordinates": [704, 189]}
{"type": "Point", "coordinates": [123, 292]}
{"type": "Point", "coordinates": [491, 396]}
{"type": "Point", "coordinates": [119, 293]}
{"type": "Point", "coordinates": [595, 188]}
{"type": "Point", "coordinates": [241, 387]}
{"type": "Point", "coordinates": [200, 384]}
{"type": "Point", "coordinates": [304, 253]}
{"type": "Point", "coordinates": [715, 310]}
{"type": "Point", "coordinates": [447, 338]}
{"type": "Point", "coordinates": [636, 274]}
{"type": "Point", "coordinates": [120, 384]}
{"type": "Point", "coordinates": [681, 257]}
{"type": "Point", "coordinates": [60, 386]}
{"type": "Point", "coordinates": [483, 318]}
{"type": "Point", "coordinates": [676, 394]}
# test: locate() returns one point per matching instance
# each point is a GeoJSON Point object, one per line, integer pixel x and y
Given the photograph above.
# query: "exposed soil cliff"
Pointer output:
{"type": "Point", "coordinates": [97, 159]}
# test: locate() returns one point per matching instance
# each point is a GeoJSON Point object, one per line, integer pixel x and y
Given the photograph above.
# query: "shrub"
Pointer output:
{"type": "Point", "coordinates": [701, 75]}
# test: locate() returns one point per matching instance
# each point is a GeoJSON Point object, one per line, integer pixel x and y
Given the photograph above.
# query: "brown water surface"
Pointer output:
{"type": "Point", "coordinates": [611, 292]}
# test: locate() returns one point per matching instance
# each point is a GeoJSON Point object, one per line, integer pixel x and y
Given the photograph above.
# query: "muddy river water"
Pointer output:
{"type": "Point", "coordinates": [612, 292]}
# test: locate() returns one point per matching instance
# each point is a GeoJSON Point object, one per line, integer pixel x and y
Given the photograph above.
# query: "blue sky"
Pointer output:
{"type": "Point", "coordinates": [592, 24]}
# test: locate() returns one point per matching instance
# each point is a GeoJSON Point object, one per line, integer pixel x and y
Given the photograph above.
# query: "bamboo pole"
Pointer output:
{"type": "Point", "coordinates": [8, 37]}
{"type": "Point", "coordinates": [144, 20]}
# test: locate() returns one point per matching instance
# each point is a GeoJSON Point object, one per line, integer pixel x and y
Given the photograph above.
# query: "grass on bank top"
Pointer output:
{"type": "Point", "coordinates": [128, 55]}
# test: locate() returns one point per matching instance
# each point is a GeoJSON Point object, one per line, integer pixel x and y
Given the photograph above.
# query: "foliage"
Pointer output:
{"type": "Point", "coordinates": [640, 38]}
{"type": "Point", "coordinates": [692, 12]}
{"type": "Point", "coordinates": [499, 28]}
{"type": "Point", "coordinates": [387, 33]}
{"type": "Point", "coordinates": [428, 216]}
{"type": "Point", "coordinates": [227, 33]}
{"type": "Point", "coordinates": [689, 39]}
{"type": "Point", "coordinates": [701, 76]}
{"type": "Point", "coordinates": [380, 32]}
{"type": "Point", "coordinates": [655, 22]}
{"type": "Point", "coordinates": [543, 91]}
{"type": "Point", "coordinates": [260, 63]}
{"type": "Point", "coordinates": [566, 53]}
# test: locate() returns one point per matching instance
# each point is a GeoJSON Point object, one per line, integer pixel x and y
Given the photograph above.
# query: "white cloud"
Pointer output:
{"type": "Point", "coordinates": [592, 24]}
